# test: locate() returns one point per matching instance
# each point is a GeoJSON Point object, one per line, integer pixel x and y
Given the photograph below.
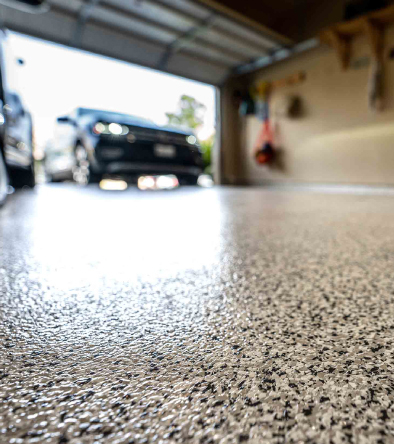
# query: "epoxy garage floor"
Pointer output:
{"type": "Point", "coordinates": [196, 316]}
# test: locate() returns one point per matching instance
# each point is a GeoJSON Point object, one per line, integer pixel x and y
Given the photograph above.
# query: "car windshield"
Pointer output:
{"type": "Point", "coordinates": [111, 115]}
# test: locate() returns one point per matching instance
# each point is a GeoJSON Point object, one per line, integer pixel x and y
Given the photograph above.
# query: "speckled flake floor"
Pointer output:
{"type": "Point", "coordinates": [196, 316]}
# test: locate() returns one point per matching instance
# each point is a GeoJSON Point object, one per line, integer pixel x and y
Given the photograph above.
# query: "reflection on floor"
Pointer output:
{"type": "Point", "coordinates": [197, 315]}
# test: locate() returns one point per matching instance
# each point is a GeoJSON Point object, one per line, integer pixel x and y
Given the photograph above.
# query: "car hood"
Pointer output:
{"type": "Point", "coordinates": [123, 120]}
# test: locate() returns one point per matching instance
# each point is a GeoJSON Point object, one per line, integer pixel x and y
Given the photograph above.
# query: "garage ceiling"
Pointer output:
{"type": "Point", "coordinates": [193, 39]}
{"type": "Point", "coordinates": [269, 12]}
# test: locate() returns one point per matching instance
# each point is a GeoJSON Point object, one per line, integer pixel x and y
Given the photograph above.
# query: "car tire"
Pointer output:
{"type": "Point", "coordinates": [94, 177]}
{"type": "Point", "coordinates": [53, 179]}
{"type": "Point", "coordinates": [23, 178]}
{"type": "Point", "coordinates": [4, 180]}
{"type": "Point", "coordinates": [49, 178]}
{"type": "Point", "coordinates": [83, 173]}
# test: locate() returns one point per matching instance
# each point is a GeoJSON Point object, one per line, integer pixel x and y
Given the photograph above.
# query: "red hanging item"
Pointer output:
{"type": "Point", "coordinates": [264, 149]}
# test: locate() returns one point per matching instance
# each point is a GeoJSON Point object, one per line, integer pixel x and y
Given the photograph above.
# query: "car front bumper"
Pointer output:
{"type": "Point", "coordinates": [151, 168]}
{"type": "Point", "coordinates": [114, 157]}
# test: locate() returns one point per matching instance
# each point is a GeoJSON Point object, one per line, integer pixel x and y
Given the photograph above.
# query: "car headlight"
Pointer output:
{"type": "Point", "coordinates": [192, 140]}
{"type": "Point", "coordinates": [125, 130]}
{"type": "Point", "coordinates": [118, 130]}
{"type": "Point", "coordinates": [112, 128]}
{"type": "Point", "coordinates": [115, 129]}
{"type": "Point", "coordinates": [99, 128]}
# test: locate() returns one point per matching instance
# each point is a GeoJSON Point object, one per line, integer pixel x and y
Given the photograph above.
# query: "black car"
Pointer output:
{"type": "Point", "coordinates": [90, 144]}
{"type": "Point", "coordinates": [16, 128]}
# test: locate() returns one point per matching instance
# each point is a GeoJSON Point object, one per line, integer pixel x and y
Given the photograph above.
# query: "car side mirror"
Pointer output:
{"type": "Point", "coordinates": [2, 116]}
{"type": "Point", "coordinates": [66, 119]}
{"type": "Point", "coordinates": [63, 119]}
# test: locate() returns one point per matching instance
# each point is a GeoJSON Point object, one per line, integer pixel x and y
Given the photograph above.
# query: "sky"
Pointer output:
{"type": "Point", "coordinates": [55, 80]}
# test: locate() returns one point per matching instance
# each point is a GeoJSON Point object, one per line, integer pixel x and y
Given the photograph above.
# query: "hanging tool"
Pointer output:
{"type": "Point", "coordinates": [264, 148]}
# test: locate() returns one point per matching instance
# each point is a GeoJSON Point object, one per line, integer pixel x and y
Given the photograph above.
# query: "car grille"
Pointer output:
{"type": "Point", "coordinates": [158, 136]}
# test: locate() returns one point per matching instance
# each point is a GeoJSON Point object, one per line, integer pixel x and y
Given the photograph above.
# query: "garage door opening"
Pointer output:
{"type": "Point", "coordinates": [69, 91]}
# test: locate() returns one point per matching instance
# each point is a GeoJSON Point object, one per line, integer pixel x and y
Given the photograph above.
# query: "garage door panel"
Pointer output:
{"type": "Point", "coordinates": [72, 5]}
{"type": "Point", "coordinates": [242, 32]}
{"type": "Point", "coordinates": [55, 24]}
{"type": "Point", "coordinates": [117, 45]}
{"type": "Point", "coordinates": [188, 8]}
{"type": "Point", "coordinates": [135, 51]}
{"type": "Point", "coordinates": [153, 11]}
{"type": "Point", "coordinates": [187, 66]}
{"type": "Point", "coordinates": [136, 26]}
{"type": "Point", "coordinates": [205, 51]}
{"type": "Point", "coordinates": [182, 37]}
{"type": "Point", "coordinates": [235, 43]}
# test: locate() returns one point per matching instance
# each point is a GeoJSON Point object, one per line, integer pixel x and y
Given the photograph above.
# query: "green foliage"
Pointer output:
{"type": "Point", "coordinates": [207, 148]}
{"type": "Point", "coordinates": [190, 114]}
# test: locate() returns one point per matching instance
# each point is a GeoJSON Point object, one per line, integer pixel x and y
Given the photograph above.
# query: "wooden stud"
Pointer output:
{"type": "Point", "coordinates": [299, 77]}
{"type": "Point", "coordinates": [375, 36]}
{"type": "Point", "coordinates": [372, 25]}
{"type": "Point", "coordinates": [341, 45]}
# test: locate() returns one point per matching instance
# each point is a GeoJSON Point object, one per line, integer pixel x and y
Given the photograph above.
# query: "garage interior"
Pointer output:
{"type": "Point", "coordinates": [257, 311]}
{"type": "Point", "coordinates": [233, 47]}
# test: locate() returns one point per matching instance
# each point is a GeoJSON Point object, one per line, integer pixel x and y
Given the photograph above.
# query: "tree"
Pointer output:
{"type": "Point", "coordinates": [190, 114]}
{"type": "Point", "coordinates": [207, 148]}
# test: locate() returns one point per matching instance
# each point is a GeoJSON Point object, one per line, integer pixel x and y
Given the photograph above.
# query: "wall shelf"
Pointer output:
{"type": "Point", "coordinates": [372, 25]}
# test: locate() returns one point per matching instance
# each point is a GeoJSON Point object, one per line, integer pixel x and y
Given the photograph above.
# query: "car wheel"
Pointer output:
{"type": "Point", "coordinates": [4, 181]}
{"type": "Point", "coordinates": [23, 178]}
{"type": "Point", "coordinates": [49, 178]}
{"type": "Point", "coordinates": [52, 179]}
{"type": "Point", "coordinates": [83, 173]}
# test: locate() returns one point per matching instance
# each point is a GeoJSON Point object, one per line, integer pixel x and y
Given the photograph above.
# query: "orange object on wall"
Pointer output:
{"type": "Point", "coordinates": [264, 148]}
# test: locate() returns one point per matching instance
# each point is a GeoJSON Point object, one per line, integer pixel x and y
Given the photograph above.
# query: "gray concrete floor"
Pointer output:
{"type": "Point", "coordinates": [196, 316]}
